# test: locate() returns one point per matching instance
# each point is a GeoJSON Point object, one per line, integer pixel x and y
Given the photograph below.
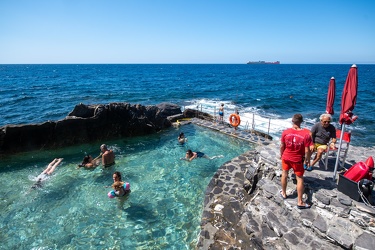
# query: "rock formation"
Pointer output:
{"type": "Point", "coordinates": [88, 123]}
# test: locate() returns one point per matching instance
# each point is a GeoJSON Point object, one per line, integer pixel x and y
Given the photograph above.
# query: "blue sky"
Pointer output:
{"type": "Point", "coordinates": [187, 31]}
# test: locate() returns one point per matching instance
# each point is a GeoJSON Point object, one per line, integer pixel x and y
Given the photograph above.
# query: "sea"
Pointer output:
{"type": "Point", "coordinates": [36, 93]}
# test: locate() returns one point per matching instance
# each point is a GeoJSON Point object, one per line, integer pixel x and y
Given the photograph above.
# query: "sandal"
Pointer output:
{"type": "Point", "coordinates": [304, 206]}
{"type": "Point", "coordinates": [281, 195]}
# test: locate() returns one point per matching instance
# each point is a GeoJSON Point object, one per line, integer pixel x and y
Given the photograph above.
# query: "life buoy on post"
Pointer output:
{"type": "Point", "coordinates": [234, 120]}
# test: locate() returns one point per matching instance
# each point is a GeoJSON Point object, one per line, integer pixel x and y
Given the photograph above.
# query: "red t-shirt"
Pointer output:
{"type": "Point", "coordinates": [295, 142]}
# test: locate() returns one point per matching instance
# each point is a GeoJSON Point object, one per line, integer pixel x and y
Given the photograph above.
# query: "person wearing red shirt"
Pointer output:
{"type": "Point", "coordinates": [294, 151]}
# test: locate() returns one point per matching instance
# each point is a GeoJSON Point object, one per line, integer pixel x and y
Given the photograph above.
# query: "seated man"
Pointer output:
{"type": "Point", "coordinates": [321, 134]}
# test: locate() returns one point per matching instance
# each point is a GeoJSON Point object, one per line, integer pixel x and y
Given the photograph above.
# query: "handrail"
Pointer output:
{"type": "Point", "coordinates": [250, 123]}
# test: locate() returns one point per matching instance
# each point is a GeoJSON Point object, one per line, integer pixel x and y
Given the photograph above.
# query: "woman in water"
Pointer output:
{"type": "Point", "coordinates": [181, 138]}
{"type": "Point", "coordinates": [116, 177]}
{"type": "Point", "coordinates": [89, 162]}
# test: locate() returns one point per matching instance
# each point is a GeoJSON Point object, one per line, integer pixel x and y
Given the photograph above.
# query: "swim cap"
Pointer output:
{"type": "Point", "coordinates": [111, 194]}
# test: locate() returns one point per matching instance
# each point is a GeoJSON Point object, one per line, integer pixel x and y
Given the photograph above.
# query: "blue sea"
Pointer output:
{"type": "Point", "coordinates": [37, 93]}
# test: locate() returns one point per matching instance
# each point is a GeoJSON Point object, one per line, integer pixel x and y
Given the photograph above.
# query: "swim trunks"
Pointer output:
{"type": "Point", "coordinates": [221, 113]}
{"type": "Point", "coordinates": [200, 154]}
{"type": "Point", "coordinates": [108, 165]}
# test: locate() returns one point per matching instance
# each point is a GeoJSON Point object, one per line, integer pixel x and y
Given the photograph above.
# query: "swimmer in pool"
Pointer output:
{"type": "Point", "coordinates": [108, 156]}
{"type": "Point", "coordinates": [190, 155]}
{"type": "Point", "coordinates": [116, 177]}
{"type": "Point", "coordinates": [181, 138]}
{"type": "Point", "coordinates": [47, 172]}
{"type": "Point", "coordinates": [89, 162]}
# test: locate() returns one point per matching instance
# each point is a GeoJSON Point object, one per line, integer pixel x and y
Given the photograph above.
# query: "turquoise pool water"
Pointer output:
{"type": "Point", "coordinates": [72, 211]}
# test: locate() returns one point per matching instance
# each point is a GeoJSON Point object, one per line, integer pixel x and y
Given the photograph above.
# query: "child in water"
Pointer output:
{"type": "Point", "coordinates": [120, 189]}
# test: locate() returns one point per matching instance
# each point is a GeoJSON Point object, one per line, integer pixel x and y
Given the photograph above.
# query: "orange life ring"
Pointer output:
{"type": "Point", "coordinates": [234, 120]}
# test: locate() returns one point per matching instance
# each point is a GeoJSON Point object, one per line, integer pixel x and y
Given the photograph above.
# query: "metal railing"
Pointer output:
{"type": "Point", "coordinates": [268, 125]}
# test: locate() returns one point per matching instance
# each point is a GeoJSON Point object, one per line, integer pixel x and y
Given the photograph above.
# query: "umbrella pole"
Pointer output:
{"type": "Point", "coordinates": [338, 151]}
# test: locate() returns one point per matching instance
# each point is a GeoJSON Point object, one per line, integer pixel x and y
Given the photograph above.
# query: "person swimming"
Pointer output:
{"type": "Point", "coordinates": [190, 155]}
{"type": "Point", "coordinates": [89, 162]}
{"type": "Point", "coordinates": [108, 156]}
{"type": "Point", "coordinates": [115, 177]}
{"type": "Point", "coordinates": [181, 138]}
{"type": "Point", "coordinates": [46, 172]}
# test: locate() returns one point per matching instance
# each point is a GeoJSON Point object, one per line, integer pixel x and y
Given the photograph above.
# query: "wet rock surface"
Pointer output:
{"type": "Point", "coordinates": [243, 208]}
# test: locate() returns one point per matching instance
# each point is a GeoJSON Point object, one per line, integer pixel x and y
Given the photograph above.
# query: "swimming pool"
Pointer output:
{"type": "Point", "coordinates": [72, 209]}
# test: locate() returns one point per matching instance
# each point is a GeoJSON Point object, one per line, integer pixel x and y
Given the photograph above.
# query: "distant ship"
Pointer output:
{"type": "Point", "coordinates": [263, 62]}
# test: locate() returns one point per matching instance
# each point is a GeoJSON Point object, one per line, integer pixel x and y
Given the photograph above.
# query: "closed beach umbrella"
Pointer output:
{"type": "Point", "coordinates": [349, 95]}
{"type": "Point", "coordinates": [348, 101]}
{"type": "Point", "coordinates": [331, 96]}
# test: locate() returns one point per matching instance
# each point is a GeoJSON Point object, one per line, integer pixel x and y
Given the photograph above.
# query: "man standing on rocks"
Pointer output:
{"type": "Point", "coordinates": [294, 151]}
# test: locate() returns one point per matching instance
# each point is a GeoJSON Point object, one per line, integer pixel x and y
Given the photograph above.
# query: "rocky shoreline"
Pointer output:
{"type": "Point", "coordinates": [244, 210]}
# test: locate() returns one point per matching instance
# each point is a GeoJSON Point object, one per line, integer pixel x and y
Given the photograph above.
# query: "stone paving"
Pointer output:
{"type": "Point", "coordinates": [244, 210]}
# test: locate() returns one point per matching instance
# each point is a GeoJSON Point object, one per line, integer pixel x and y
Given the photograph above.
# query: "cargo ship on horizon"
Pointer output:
{"type": "Point", "coordinates": [262, 62]}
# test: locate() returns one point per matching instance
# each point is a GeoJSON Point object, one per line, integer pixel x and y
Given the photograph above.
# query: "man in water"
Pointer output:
{"type": "Point", "coordinates": [108, 156]}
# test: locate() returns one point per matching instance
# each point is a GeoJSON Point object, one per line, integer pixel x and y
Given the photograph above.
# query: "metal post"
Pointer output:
{"type": "Point", "coordinates": [338, 151]}
{"type": "Point", "coordinates": [253, 125]}
{"type": "Point", "coordinates": [215, 118]}
{"type": "Point", "coordinates": [269, 125]}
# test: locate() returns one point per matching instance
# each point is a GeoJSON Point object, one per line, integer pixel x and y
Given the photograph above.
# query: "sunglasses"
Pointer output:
{"type": "Point", "coordinates": [325, 122]}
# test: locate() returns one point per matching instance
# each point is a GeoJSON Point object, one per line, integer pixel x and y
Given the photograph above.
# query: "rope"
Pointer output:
{"type": "Point", "coordinates": [363, 197]}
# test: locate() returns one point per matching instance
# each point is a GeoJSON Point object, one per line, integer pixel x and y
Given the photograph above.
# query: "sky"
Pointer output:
{"type": "Point", "coordinates": [187, 31]}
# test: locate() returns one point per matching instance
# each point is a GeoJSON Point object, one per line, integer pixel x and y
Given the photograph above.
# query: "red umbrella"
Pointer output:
{"type": "Point", "coordinates": [348, 101]}
{"type": "Point", "coordinates": [331, 96]}
{"type": "Point", "coordinates": [349, 96]}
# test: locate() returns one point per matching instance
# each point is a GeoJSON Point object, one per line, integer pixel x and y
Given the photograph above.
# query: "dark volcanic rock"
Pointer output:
{"type": "Point", "coordinates": [88, 123]}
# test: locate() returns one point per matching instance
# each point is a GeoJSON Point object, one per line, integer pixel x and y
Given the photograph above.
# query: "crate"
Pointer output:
{"type": "Point", "coordinates": [348, 187]}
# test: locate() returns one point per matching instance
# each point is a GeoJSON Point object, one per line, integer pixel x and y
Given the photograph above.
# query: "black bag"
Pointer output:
{"type": "Point", "coordinates": [365, 188]}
